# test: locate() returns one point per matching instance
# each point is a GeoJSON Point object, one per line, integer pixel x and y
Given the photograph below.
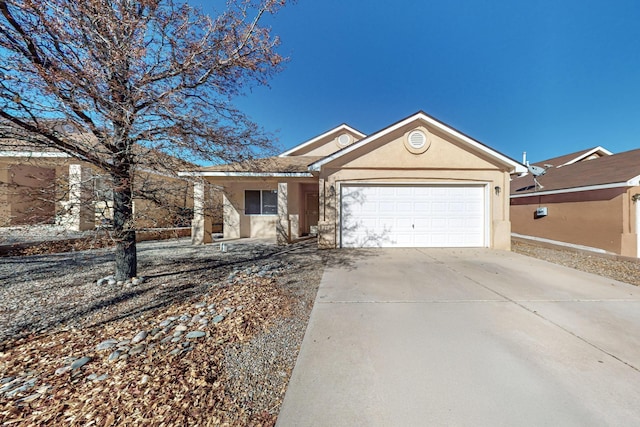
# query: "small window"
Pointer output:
{"type": "Point", "coordinates": [261, 202]}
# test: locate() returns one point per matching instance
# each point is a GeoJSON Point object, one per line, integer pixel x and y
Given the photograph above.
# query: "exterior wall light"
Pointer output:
{"type": "Point", "coordinates": [497, 189]}
{"type": "Point", "coordinates": [332, 190]}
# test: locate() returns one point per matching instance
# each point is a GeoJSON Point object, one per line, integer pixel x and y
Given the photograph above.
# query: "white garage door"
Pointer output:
{"type": "Point", "coordinates": [413, 216]}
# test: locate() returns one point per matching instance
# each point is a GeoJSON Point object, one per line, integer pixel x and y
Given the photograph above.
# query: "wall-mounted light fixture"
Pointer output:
{"type": "Point", "coordinates": [332, 190]}
{"type": "Point", "coordinates": [497, 189]}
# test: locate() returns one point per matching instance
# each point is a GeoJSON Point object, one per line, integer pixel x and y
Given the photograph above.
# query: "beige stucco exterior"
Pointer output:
{"type": "Point", "coordinates": [604, 219]}
{"type": "Point", "coordinates": [388, 161]}
{"type": "Point", "coordinates": [387, 157]}
{"type": "Point", "coordinates": [291, 215]}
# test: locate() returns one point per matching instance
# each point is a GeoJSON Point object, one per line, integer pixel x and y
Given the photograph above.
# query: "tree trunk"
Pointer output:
{"type": "Point", "coordinates": [123, 231]}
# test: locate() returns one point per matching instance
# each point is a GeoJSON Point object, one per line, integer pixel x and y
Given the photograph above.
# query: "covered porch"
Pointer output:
{"type": "Point", "coordinates": [281, 207]}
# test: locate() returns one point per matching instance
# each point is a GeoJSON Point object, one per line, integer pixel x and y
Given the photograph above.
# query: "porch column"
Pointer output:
{"type": "Point", "coordinates": [78, 213]}
{"type": "Point", "coordinates": [201, 226]}
{"type": "Point", "coordinates": [328, 224]}
{"type": "Point", "coordinates": [321, 200]}
{"type": "Point", "coordinates": [283, 226]}
{"type": "Point", "coordinates": [230, 218]}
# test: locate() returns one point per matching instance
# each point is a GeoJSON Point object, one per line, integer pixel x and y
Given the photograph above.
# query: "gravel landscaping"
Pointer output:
{"type": "Point", "coordinates": [205, 337]}
{"type": "Point", "coordinates": [627, 271]}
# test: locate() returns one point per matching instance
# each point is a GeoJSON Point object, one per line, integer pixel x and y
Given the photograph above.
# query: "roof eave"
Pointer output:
{"type": "Point", "coordinates": [597, 149]}
{"type": "Point", "coordinates": [343, 126]}
{"type": "Point", "coordinates": [631, 183]}
{"type": "Point", "coordinates": [34, 154]}
{"type": "Point", "coordinates": [247, 174]}
{"type": "Point", "coordinates": [515, 166]}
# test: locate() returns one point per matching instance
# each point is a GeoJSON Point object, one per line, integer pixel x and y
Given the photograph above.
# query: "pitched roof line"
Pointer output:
{"type": "Point", "coordinates": [343, 126]}
{"type": "Point", "coordinates": [517, 167]}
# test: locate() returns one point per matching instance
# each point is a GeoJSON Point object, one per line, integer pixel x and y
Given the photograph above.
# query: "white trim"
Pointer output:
{"type": "Point", "coordinates": [39, 154]}
{"type": "Point", "coordinates": [556, 242]}
{"type": "Point", "coordinates": [517, 167]}
{"type": "Point", "coordinates": [631, 183]}
{"type": "Point", "coordinates": [249, 174]}
{"type": "Point", "coordinates": [324, 135]}
{"type": "Point", "coordinates": [637, 203]}
{"type": "Point", "coordinates": [587, 154]}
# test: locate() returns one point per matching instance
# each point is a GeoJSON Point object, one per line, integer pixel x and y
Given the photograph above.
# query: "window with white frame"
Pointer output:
{"type": "Point", "coordinates": [261, 202]}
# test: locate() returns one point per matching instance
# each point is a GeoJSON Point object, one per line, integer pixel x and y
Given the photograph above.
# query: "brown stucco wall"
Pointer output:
{"type": "Point", "coordinates": [31, 190]}
{"type": "Point", "coordinates": [27, 192]}
{"type": "Point", "coordinates": [598, 219]}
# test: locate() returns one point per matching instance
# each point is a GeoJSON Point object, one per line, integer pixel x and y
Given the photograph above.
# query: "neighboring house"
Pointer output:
{"type": "Point", "coordinates": [588, 199]}
{"type": "Point", "coordinates": [45, 186]}
{"type": "Point", "coordinates": [417, 182]}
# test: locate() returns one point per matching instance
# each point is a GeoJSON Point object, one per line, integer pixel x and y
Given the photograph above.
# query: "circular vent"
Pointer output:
{"type": "Point", "coordinates": [344, 139]}
{"type": "Point", "coordinates": [417, 139]}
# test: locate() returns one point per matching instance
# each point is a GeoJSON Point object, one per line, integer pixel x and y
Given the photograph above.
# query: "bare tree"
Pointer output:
{"type": "Point", "coordinates": [133, 80]}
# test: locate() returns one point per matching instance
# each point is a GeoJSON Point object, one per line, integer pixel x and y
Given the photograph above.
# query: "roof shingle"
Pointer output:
{"type": "Point", "coordinates": [616, 168]}
{"type": "Point", "coordinates": [267, 165]}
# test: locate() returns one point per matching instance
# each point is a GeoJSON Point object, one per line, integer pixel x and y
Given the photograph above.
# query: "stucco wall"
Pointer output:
{"type": "Point", "coordinates": [389, 161]}
{"type": "Point", "coordinates": [34, 190]}
{"type": "Point", "coordinates": [238, 224]}
{"type": "Point", "coordinates": [598, 219]}
{"type": "Point", "coordinates": [5, 209]}
{"type": "Point", "coordinates": [30, 194]}
{"type": "Point", "coordinates": [390, 152]}
{"type": "Point", "coordinates": [327, 145]}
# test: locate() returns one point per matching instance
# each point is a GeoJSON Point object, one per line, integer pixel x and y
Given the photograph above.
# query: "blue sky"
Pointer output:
{"type": "Point", "coordinates": [546, 77]}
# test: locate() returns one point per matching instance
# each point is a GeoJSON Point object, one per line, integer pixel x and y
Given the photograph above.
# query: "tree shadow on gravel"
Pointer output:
{"type": "Point", "coordinates": [204, 269]}
{"type": "Point", "coordinates": [41, 267]}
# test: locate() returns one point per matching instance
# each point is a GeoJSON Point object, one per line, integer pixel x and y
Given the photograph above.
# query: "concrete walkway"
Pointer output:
{"type": "Point", "coordinates": [466, 337]}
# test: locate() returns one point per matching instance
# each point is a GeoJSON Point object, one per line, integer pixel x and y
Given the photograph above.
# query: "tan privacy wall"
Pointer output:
{"type": "Point", "coordinates": [600, 219]}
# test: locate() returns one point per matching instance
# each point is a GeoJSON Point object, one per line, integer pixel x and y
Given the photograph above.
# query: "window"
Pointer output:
{"type": "Point", "coordinates": [261, 202]}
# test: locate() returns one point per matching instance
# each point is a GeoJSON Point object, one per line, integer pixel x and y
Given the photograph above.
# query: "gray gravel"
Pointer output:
{"type": "Point", "coordinates": [627, 271]}
{"type": "Point", "coordinates": [39, 233]}
{"type": "Point", "coordinates": [42, 292]}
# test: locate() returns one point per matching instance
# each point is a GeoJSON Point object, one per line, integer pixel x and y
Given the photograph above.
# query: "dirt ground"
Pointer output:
{"type": "Point", "coordinates": [54, 315]}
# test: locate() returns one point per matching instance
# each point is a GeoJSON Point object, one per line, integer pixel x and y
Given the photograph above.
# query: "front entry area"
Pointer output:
{"type": "Point", "coordinates": [413, 216]}
{"type": "Point", "coordinates": [311, 211]}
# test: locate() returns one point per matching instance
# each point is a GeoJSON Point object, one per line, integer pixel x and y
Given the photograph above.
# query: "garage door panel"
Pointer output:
{"type": "Point", "coordinates": [413, 216]}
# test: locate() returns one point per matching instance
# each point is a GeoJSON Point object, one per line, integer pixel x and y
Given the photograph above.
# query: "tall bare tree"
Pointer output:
{"type": "Point", "coordinates": [133, 78]}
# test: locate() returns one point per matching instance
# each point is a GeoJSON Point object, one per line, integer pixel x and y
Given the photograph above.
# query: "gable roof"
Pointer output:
{"type": "Point", "coordinates": [578, 156]}
{"type": "Point", "coordinates": [610, 171]}
{"type": "Point", "coordinates": [342, 127]}
{"type": "Point", "coordinates": [420, 115]}
{"type": "Point", "coordinates": [294, 166]}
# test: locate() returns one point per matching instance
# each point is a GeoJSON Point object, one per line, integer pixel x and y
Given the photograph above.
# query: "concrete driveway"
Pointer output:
{"type": "Point", "coordinates": [466, 337]}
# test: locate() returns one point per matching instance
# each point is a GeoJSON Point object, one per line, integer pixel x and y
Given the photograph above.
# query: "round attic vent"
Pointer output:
{"type": "Point", "coordinates": [417, 139]}
{"type": "Point", "coordinates": [344, 140]}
